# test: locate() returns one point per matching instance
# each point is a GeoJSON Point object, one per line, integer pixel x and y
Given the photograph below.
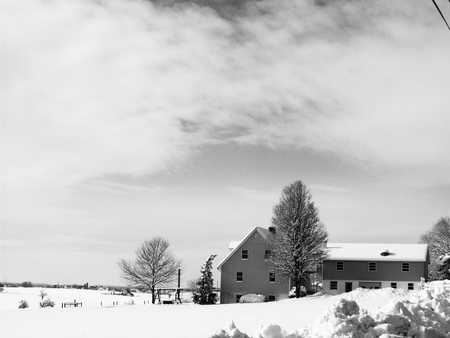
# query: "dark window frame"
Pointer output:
{"type": "Point", "coordinates": [394, 285]}
{"type": "Point", "coordinates": [267, 254]}
{"type": "Point", "coordinates": [241, 274]}
{"type": "Point", "coordinates": [238, 297]}
{"type": "Point", "coordinates": [333, 285]}
{"type": "Point", "coordinates": [406, 267]}
{"type": "Point", "coordinates": [271, 298]}
{"type": "Point", "coordinates": [410, 286]}
{"type": "Point", "coordinates": [340, 266]}
{"type": "Point", "coordinates": [372, 264]}
{"type": "Point", "coordinates": [272, 277]}
{"type": "Point", "coordinates": [244, 252]}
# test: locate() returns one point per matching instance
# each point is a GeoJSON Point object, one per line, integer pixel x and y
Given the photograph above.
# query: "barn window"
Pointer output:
{"type": "Point", "coordinates": [333, 285]}
{"type": "Point", "coordinates": [244, 254]}
{"type": "Point", "coordinates": [271, 298]}
{"type": "Point", "coordinates": [394, 285]}
{"type": "Point", "coordinates": [339, 266]}
{"type": "Point", "coordinates": [272, 276]}
{"type": "Point", "coordinates": [372, 266]}
{"type": "Point", "coordinates": [405, 267]}
{"type": "Point", "coordinates": [238, 298]}
{"type": "Point", "coordinates": [267, 254]}
{"type": "Point", "coordinates": [410, 286]}
{"type": "Point", "coordinates": [239, 276]}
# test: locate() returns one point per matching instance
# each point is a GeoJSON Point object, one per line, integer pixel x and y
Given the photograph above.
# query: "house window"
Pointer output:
{"type": "Point", "coordinates": [394, 285]}
{"type": "Point", "coordinates": [267, 254]}
{"type": "Point", "coordinates": [333, 285]}
{"type": "Point", "coordinates": [239, 277]}
{"type": "Point", "coordinates": [271, 298]}
{"type": "Point", "coordinates": [244, 254]}
{"type": "Point", "coordinates": [410, 286]}
{"type": "Point", "coordinates": [339, 266]}
{"type": "Point", "coordinates": [405, 267]}
{"type": "Point", "coordinates": [372, 266]}
{"type": "Point", "coordinates": [271, 276]}
{"type": "Point", "coordinates": [238, 298]}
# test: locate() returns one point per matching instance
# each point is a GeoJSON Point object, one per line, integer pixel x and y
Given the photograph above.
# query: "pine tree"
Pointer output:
{"type": "Point", "coordinates": [204, 294]}
{"type": "Point", "coordinates": [300, 243]}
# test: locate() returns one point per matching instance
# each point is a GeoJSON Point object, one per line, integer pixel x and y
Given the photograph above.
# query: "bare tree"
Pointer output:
{"type": "Point", "coordinates": [153, 267]}
{"type": "Point", "coordinates": [438, 240]}
{"type": "Point", "coordinates": [300, 243]}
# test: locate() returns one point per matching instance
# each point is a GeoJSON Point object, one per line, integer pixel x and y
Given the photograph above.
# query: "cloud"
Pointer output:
{"type": "Point", "coordinates": [254, 194]}
{"type": "Point", "coordinates": [90, 88]}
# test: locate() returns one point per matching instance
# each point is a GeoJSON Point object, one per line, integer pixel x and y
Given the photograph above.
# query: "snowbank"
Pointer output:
{"type": "Point", "coordinates": [252, 298]}
{"type": "Point", "coordinates": [422, 314]}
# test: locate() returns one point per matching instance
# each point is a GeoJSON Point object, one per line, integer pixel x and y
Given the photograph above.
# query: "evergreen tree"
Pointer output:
{"type": "Point", "coordinates": [300, 243]}
{"type": "Point", "coordinates": [204, 287]}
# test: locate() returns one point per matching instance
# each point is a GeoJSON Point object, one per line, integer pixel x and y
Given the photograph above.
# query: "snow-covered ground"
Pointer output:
{"type": "Point", "coordinates": [324, 315]}
{"type": "Point", "coordinates": [10, 297]}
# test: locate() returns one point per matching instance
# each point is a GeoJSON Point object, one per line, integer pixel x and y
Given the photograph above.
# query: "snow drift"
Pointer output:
{"type": "Point", "coordinates": [422, 314]}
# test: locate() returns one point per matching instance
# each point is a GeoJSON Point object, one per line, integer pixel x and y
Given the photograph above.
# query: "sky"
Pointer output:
{"type": "Point", "coordinates": [123, 120]}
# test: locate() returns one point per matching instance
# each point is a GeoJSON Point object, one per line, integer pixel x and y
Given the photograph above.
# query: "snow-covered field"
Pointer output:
{"type": "Point", "coordinates": [324, 315]}
{"type": "Point", "coordinates": [10, 297]}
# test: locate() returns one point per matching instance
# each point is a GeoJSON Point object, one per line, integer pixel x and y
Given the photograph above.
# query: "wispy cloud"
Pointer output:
{"type": "Point", "coordinates": [92, 87]}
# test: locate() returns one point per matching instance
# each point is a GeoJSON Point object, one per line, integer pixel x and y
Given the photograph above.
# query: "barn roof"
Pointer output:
{"type": "Point", "coordinates": [377, 252]}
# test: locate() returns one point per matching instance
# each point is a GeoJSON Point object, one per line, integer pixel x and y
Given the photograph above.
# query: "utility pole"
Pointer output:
{"type": "Point", "coordinates": [179, 286]}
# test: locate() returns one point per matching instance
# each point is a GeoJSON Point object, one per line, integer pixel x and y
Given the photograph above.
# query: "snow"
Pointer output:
{"type": "Point", "coordinates": [424, 313]}
{"type": "Point", "coordinates": [368, 312]}
{"type": "Point", "coordinates": [10, 297]}
{"type": "Point", "coordinates": [233, 244]}
{"type": "Point", "coordinates": [252, 298]}
{"type": "Point", "coordinates": [372, 252]}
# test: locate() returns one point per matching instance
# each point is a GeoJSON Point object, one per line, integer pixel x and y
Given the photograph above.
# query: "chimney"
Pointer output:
{"type": "Point", "coordinates": [272, 229]}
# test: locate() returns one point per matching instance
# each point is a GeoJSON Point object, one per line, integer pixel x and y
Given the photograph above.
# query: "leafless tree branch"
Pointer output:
{"type": "Point", "coordinates": [153, 267]}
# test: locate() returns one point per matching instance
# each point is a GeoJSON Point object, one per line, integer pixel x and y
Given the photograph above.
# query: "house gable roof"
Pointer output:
{"type": "Point", "coordinates": [377, 252]}
{"type": "Point", "coordinates": [265, 234]}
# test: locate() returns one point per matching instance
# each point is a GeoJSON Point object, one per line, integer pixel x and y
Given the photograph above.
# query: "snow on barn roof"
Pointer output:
{"type": "Point", "coordinates": [235, 245]}
{"type": "Point", "coordinates": [377, 252]}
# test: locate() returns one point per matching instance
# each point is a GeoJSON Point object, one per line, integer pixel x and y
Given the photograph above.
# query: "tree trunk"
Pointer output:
{"type": "Point", "coordinates": [297, 278]}
{"type": "Point", "coordinates": [153, 295]}
{"type": "Point", "coordinates": [297, 286]}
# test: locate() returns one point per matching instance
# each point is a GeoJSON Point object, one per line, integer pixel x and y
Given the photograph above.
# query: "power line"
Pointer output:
{"type": "Point", "coordinates": [440, 12]}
